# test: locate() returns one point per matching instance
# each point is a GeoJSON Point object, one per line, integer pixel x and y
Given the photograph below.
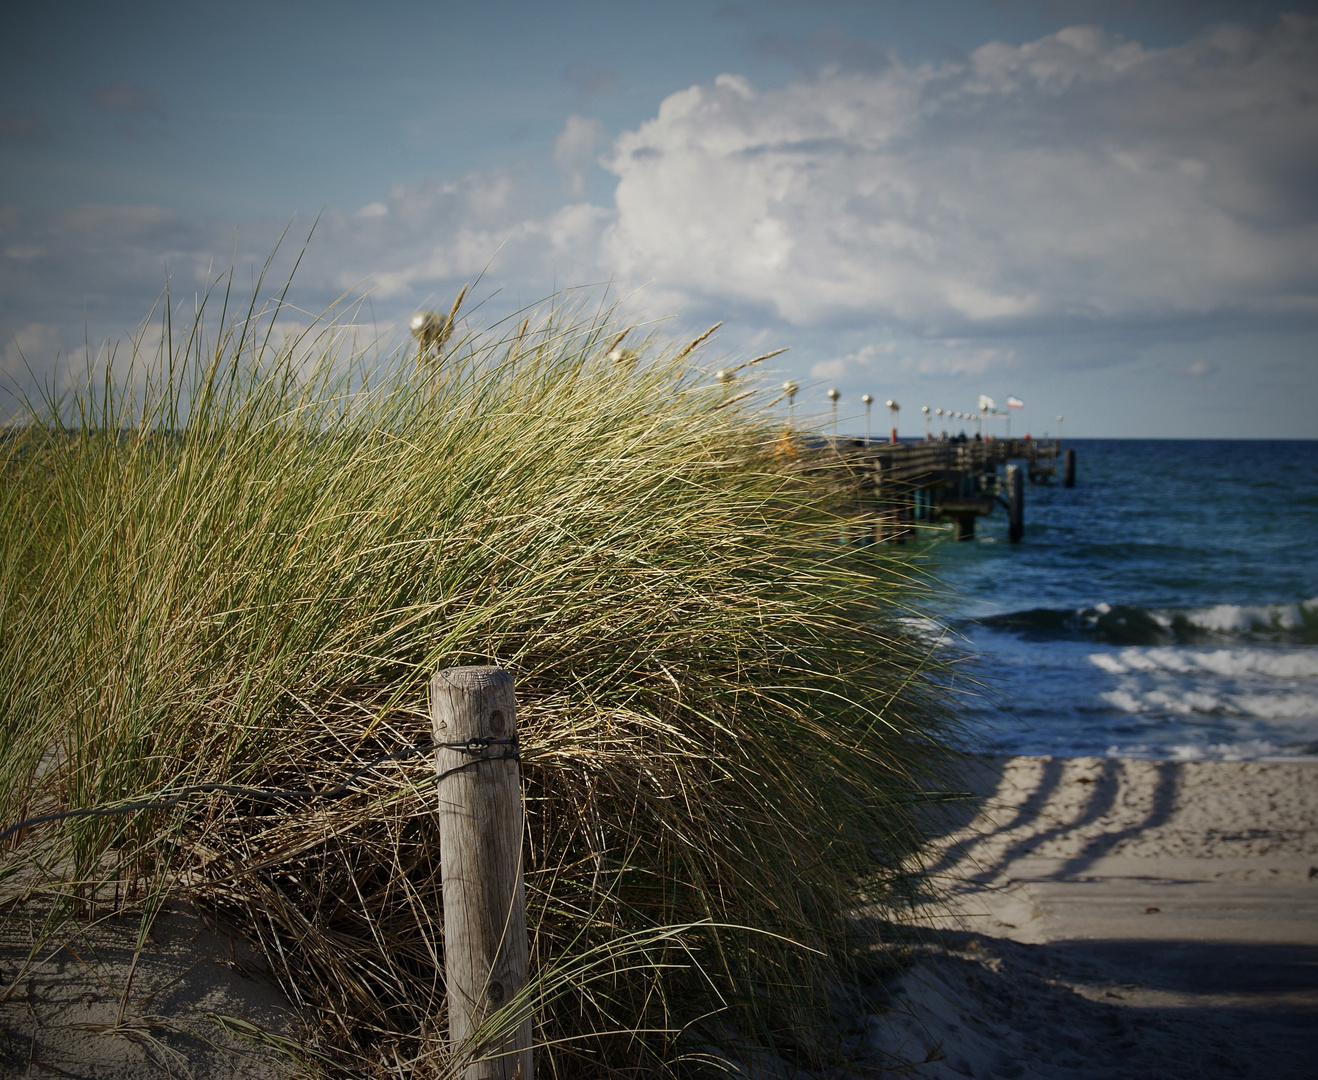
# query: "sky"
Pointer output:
{"type": "Point", "coordinates": [1106, 208]}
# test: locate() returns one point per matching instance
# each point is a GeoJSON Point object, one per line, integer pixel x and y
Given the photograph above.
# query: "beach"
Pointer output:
{"type": "Point", "coordinates": [1097, 918]}
{"type": "Point", "coordinates": [1110, 918]}
{"type": "Point", "coordinates": [198, 1001]}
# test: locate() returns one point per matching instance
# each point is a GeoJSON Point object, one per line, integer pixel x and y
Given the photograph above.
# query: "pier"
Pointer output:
{"type": "Point", "coordinates": [904, 485]}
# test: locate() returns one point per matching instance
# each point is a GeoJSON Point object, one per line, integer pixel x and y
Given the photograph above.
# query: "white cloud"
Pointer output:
{"type": "Point", "coordinates": [957, 208]}
{"type": "Point", "coordinates": [1078, 179]}
{"type": "Point", "coordinates": [414, 248]}
{"type": "Point", "coordinates": [574, 151]}
{"type": "Point", "coordinates": [964, 358]}
{"type": "Point", "coordinates": [27, 349]}
{"type": "Point", "coordinates": [863, 361]}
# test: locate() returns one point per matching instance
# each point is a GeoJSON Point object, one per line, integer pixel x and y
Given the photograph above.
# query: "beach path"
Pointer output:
{"type": "Point", "coordinates": [1121, 918]}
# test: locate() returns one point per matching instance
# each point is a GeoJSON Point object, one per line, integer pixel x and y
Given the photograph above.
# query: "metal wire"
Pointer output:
{"type": "Point", "coordinates": [474, 747]}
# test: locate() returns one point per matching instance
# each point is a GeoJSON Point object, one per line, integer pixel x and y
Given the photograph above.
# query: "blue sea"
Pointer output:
{"type": "Point", "coordinates": [1165, 607]}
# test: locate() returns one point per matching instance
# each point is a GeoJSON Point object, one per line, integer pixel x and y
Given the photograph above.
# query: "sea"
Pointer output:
{"type": "Point", "coordinates": [1165, 607]}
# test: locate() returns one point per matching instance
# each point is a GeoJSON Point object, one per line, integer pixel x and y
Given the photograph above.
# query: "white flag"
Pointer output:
{"type": "Point", "coordinates": [986, 402]}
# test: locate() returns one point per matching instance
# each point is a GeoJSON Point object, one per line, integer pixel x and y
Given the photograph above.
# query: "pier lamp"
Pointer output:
{"type": "Point", "coordinates": [939, 414]}
{"type": "Point", "coordinates": [790, 388]}
{"type": "Point", "coordinates": [1059, 432]}
{"type": "Point", "coordinates": [868, 399]}
{"type": "Point", "coordinates": [426, 327]}
{"type": "Point", "coordinates": [925, 409]}
{"type": "Point", "coordinates": [833, 394]}
{"type": "Point", "coordinates": [892, 412]}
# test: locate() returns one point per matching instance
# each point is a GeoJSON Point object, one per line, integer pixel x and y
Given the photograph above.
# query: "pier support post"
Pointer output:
{"type": "Point", "coordinates": [1015, 504]}
{"type": "Point", "coordinates": [486, 956]}
{"type": "Point", "coordinates": [1068, 469]}
{"type": "Point", "coordinates": [965, 526]}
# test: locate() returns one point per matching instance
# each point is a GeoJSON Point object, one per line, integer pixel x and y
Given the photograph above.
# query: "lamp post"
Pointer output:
{"type": "Point", "coordinates": [1059, 432]}
{"type": "Point", "coordinates": [790, 388]}
{"type": "Point", "coordinates": [426, 327]}
{"type": "Point", "coordinates": [925, 409]}
{"type": "Point", "coordinates": [868, 399]}
{"type": "Point", "coordinates": [939, 413]}
{"type": "Point", "coordinates": [892, 412]}
{"type": "Point", "coordinates": [833, 395]}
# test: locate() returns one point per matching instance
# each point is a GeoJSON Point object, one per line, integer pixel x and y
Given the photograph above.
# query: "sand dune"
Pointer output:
{"type": "Point", "coordinates": [195, 1004]}
{"type": "Point", "coordinates": [1104, 919]}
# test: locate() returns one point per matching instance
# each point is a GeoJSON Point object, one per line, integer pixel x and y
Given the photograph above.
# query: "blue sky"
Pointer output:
{"type": "Point", "coordinates": [1106, 208]}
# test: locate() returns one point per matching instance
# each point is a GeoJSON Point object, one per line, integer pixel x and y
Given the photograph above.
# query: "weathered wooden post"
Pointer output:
{"type": "Point", "coordinates": [1015, 504]}
{"type": "Point", "coordinates": [486, 957]}
{"type": "Point", "coordinates": [1068, 471]}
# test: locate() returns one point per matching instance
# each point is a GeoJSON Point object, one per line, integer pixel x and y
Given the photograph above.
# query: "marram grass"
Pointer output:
{"type": "Point", "coordinates": [232, 563]}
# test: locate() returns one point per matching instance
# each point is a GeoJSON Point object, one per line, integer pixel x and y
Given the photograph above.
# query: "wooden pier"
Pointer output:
{"type": "Point", "coordinates": [905, 485]}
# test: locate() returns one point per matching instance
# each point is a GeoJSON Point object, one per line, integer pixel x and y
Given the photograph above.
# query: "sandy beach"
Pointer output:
{"type": "Point", "coordinates": [198, 1002]}
{"type": "Point", "coordinates": [1120, 919]}
{"type": "Point", "coordinates": [1104, 919]}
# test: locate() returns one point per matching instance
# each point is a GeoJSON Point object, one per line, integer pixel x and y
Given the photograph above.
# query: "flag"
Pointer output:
{"type": "Point", "coordinates": [986, 402]}
{"type": "Point", "coordinates": [1014, 402]}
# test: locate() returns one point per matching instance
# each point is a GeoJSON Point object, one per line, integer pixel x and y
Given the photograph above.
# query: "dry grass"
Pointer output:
{"type": "Point", "coordinates": [246, 568]}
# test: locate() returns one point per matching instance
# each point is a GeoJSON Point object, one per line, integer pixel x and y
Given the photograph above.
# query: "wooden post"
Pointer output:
{"type": "Point", "coordinates": [486, 957]}
{"type": "Point", "coordinates": [1068, 472]}
{"type": "Point", "coordinates": [1015, 504]}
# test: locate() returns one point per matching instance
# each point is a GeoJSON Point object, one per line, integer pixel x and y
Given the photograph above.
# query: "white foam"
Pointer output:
{"type": "Point", "coordinates": [1277, 706]}
{"type": "Point", "coordinates": [1233, 663]}
{"type": "Point", "coordinates": [1178, 702]}
{"type": "Point", "coordinates": [1244, 750]}
{"type": "Point", "coordinates": [1240, 618]}
{"type": "Point", "coordinates": [1188, 701]}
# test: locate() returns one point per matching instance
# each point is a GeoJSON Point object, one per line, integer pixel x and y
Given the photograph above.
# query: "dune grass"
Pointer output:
{"type": "Point", "coordinates": [235, 560]}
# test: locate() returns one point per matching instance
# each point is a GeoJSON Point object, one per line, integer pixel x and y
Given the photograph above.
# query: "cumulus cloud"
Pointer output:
{"type": "Point", "coordinates": [574, 151]}
{"type": "Point", "coordinates": [94, 271]}
{"type": "Point", "coordinates": [962, 209]}
{"type": "Point", "coordinates": [862, 361]}
{"type": "Point", "coordinates": [28, 345]}
{"type": "Point", "coordinates": [1080, 179]}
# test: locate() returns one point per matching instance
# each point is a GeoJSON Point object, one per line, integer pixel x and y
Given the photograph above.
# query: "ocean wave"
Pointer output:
{"type": "Point", "coordinates": [1233, 663]}
{"type": "Point", "coordinates": [1185, 701]}
{"type": "Point", "coordinates": [1243, 750]}
{"type": "Point", "coordinates": [1135, 625]}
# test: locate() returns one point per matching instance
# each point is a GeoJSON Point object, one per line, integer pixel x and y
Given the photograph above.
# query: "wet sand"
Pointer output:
{"type": "Point", "coordinates": [1119, 919]}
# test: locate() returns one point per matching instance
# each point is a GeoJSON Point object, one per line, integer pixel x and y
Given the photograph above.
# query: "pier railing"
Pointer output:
{"type": "Point", "coordinates": [902, 484]}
